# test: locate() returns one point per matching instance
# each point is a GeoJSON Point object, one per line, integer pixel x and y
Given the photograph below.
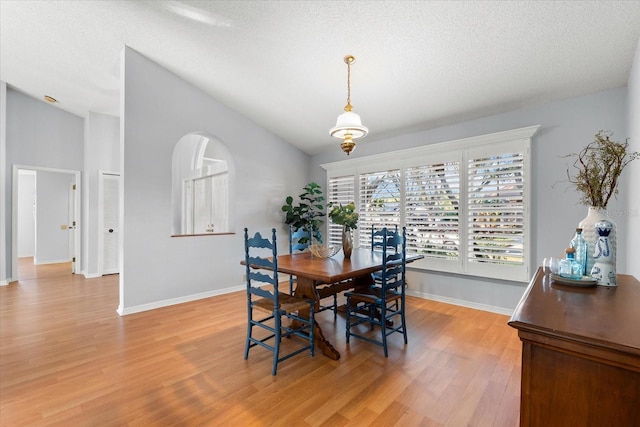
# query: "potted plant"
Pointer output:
{"type": "Point", "coordinates": [347, 217]}
{"type": "Point", "coordinates": [595, 173]}
{"type": "Point", "coordinates": [309, 211]}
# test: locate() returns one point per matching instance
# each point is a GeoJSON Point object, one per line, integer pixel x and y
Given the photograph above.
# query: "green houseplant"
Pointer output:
{"type": "Point", "coordinates": [347, 217]}
{"type": "Point", "coordinates": [308, 212]}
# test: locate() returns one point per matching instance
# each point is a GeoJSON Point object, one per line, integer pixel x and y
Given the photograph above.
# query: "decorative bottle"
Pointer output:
{"type": "Point", "coordinates": [569, 267]}
{"type": "Point", "coordinates": [581, 247]}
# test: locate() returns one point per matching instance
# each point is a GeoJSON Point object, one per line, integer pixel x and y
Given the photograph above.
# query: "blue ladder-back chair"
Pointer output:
{"type": "Point", "coordinates": [299, 240]}
{"type": "Point", "coordinates": [263, 296]}
{"type": "Point", "coordinates": [380, 305]}
{"type": "Point", "coordinates": [377, 242]}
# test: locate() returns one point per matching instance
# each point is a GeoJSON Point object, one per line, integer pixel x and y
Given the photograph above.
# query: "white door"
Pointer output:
{"type": "Point", "coordinates": [72, 226]}
{"type": "Point", "coordinates": [110, 202]}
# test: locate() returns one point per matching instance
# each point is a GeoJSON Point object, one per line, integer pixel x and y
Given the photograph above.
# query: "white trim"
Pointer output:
{"type": "Point", "coordinates": [55, 261]}
{"type": "Point", "coordinates": [14, 212]}
{"type": "Point", "coordinates": [180, 300]}
{"type": "Point", "coordinates": [461, 303]}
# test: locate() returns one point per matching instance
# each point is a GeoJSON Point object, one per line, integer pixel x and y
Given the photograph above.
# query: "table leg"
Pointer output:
{"type": "Point", "coordinates": [306, 288]}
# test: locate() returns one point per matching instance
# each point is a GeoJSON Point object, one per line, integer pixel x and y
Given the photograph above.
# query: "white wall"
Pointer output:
{"type": "Point", "coordinates": [566, 127]}
{"type": "Point", "coordinates": [5, 242]}
{"type": "Point", "coordinates": [633, 173]}
{"type": "Point", "coordinates": [158, 109]}
{"type": "Point", "coordinates": [37, 134]}
{"type": "Point", "coordinates": [101, 153]}
{"type": "Point", "coordinates": [26, 213]}
{"type": "Point", "coordinates": [52, 212]}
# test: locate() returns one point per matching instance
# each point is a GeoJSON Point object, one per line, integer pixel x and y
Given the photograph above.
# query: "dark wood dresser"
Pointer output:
{"type": "Point", "coordinates": [580, 353]}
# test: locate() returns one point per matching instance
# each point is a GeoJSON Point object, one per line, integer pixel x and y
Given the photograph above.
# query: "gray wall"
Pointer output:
{"type": "Point", "coordinates": [632, 176]}
{"type": "Point", "coordinates": [26, 211]}
{"type": "Point", "coordinates": [101, 153]}
{"type": "Point", "coordinates": [158, 109]}
{"type": "Point", "coordinates": [37, 134]}
{"type": "Point", "coordinates": [566, 127]}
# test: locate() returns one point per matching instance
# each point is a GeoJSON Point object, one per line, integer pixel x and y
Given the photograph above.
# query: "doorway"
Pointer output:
{"type": "Point", "coordinates": [56, 214]}
{"type": "Point", "coordinates": [108, 222]}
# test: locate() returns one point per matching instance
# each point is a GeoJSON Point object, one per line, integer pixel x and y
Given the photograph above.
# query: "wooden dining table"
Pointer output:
{"type": "Point", "coordinates": [318, 278]}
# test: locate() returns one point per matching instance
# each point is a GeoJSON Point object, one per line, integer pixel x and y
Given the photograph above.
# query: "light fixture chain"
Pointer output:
{"type": "Point", "coordinates": [348, 83]}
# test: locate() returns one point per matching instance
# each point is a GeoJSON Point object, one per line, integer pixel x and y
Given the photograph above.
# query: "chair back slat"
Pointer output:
{"type": "Point", "coordinates": [260, 262]}
{"type": "Point", "coordinates": [261, 292]}
{"type": "Point", "coordinates": [260, 277]}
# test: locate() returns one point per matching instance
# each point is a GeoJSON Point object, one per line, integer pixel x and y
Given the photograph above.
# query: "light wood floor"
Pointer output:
{"type": "Point", "coordinates": [67, 358]}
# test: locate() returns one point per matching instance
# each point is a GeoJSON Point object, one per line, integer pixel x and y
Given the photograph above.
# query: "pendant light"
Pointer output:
{"type": "Point", "coordinates": [348, 126]}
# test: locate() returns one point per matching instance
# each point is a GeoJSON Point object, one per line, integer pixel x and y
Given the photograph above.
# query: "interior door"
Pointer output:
{"type": "Point", "coordinates": [72, 226]}
{"type": "Point", "coordinates": [110, 222]}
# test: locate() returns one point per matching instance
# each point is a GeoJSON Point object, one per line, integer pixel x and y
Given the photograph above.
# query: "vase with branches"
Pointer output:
{"type": "Point", "coordinates": [595, 174]}
{"type": "Point", "coordinates": [597, 168]}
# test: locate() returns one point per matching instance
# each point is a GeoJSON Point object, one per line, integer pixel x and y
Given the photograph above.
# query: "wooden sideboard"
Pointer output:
{"type": "Point", "coordinates": [580, 353]}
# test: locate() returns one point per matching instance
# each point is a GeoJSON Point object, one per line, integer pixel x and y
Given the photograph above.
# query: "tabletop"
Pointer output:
{"type": "Point", "coordinates": [335, 268]}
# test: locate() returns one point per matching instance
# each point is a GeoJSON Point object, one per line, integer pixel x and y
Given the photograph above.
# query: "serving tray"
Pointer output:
{"type": "Point", "coordinates": [585, 282]}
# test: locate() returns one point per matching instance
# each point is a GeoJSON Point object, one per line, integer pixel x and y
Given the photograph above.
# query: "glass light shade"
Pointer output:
{"type": "Point", "coordinates": [349, 123]}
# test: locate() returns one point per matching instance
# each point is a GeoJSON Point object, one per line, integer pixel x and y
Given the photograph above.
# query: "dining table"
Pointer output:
{"type": "Point", "coordinates": [319, 277]}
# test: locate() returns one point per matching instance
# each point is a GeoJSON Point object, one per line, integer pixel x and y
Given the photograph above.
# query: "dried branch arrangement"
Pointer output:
{"type": "Point", "coordinates": [597, 168]}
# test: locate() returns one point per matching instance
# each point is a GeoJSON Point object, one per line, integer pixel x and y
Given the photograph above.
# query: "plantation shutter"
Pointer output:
{"type": "Point", "coordinates": [341, 190]}
{"type": "Point", "coordinates": [379, 204]}
{"type": "Point", "coordinates": [432, 198]}
{"type": "Point", "coordinates": [496, 210]}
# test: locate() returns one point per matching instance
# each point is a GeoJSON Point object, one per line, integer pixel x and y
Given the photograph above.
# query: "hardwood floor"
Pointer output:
{"type": "Point", "coordinates": [67, 358]}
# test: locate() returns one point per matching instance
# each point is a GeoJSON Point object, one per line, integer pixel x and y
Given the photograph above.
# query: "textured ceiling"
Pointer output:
{"type": "Point", "coordinates": [420, 64]}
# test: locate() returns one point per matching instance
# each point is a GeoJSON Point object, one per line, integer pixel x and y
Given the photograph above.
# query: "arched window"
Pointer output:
{"type": "Point", "coordinates": [203, 176]}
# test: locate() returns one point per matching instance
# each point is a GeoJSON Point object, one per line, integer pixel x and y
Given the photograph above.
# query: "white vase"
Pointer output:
{"type": "Point", "coordinates": [588, 225]}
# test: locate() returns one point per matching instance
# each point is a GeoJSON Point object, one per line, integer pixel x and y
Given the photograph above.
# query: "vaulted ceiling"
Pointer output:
{"type": "Point", "coordinates": [419, 64]}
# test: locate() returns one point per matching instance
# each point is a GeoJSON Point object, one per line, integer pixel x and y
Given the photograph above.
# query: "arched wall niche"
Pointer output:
{"type": "Point", "coordinates": [203, 182]}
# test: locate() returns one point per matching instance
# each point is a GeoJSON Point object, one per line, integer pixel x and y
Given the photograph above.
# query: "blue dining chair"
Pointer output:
{"type": "Point", "coordinates": [379, 305]}
{"type": "Point", "coordinates": [299, 240]}
{"type": "Point", "coordinates": [378, 240]}
{"type": "Point", "coordinates": [261, 258]}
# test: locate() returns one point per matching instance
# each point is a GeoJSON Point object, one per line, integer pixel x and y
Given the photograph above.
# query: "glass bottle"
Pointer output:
{"type": "Point", "coordinates": [581, 247]}
{"type": "Point", "coordinates": [569, 267]}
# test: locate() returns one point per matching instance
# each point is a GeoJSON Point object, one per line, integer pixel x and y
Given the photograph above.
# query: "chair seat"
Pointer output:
{"type": "Point", "coordinates": [288, 303]}
{"type": "Point", "coordinates": [373, 295]}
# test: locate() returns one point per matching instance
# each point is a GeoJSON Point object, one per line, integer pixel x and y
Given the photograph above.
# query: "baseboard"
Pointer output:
{"type": "Point", "coordinates": [165, 303]}
{"type": "Point", "coordinates": [462, 303]}
{"type": "Point", "coordinates": [36, 262]}
{"type": "Point", "coordinates": [91, 276]}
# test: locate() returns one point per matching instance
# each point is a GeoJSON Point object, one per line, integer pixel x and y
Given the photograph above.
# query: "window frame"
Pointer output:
{"type": "Point", "coordinates": [461, 151]}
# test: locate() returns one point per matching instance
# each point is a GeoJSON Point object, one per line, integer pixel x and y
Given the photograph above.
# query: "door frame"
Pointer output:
{"type": "Point", "coordinates": [101, 176]}
{"type": "Point", "coordinates": [14, 212]}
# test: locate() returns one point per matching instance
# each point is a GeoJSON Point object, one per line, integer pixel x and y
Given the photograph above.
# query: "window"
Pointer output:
{"type": "Point", "coordinates": [465, 203]}
{"type": "Point", "coordinates": [202, 196]}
